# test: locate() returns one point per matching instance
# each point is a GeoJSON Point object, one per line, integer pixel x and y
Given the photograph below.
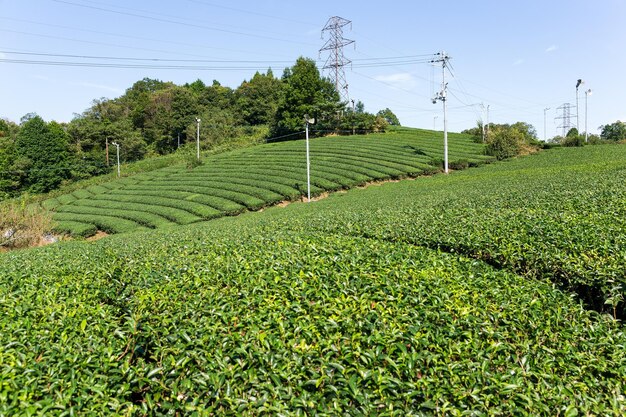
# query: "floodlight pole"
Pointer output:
{"type": "Point", "coordinates": [587, 94]}
{"type": "Point", "coordinates": [308, 162]}
{"type": "Point", "coordinates": [118, 157]}
{"type": "Point", "coordinates": [545, 137]}
{"type": "Point", "coordinates": [578, 84]}
{"type": "Point", "coordinates": [198, 138]}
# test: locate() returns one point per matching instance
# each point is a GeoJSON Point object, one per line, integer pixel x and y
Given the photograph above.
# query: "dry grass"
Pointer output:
{"type": "Point", "coordinates": [23, 226]}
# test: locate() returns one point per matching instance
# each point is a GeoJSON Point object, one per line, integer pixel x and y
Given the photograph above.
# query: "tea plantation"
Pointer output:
{"type": "Point", "coordinates": [443, 295]}
{"type": "Point", "coordinates": [253, 178]}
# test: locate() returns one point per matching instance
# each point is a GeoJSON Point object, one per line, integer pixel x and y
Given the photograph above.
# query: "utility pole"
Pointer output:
{"type": "Point", "coordinates": [578, 84]}
{"type": "Point", "coordinates": [307, 121]}
{"type": "Point", "coordinates": [106, 145]}
{"type": "Point", "coordinates": [353, 113]}
{"type": "Point", "coordinates": [178, 143]}
{"type": "Point", "coordinates": [198, 137]}
{"type": "Point", "coordinates": [587, 94]}
{"type": "Point", "coordinates": [482, 106]}
{"type": "Point", "coordinates": [336, 59]}
{"type": "Point", "coordinates": [545, 137]}
{"type": "Point", "coordinates": [118, 157]}
{"type": "Point", "coordinates": [487, 126]}
{"type": "Point", "coordinates": [443, 58]}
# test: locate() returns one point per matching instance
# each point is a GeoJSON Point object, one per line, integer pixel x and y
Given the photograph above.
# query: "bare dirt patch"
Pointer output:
{"type": "Point", "coordinates": [99, 235]}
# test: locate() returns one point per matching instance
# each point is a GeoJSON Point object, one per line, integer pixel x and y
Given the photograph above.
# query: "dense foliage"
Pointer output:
{"type": "Point", "coordinates": [154, 117]}
{"type": "Point", "coordinates": [306, 93]}
{"type": "Point", "coordinates": [506, 140]}
{"type": "Point", "coordinates": [614, 132]}
{"type": "Point", "coordinates": [344, 306]}
{"type": "Point", "coordinates": [389, 117]}
{"type": "Point", "coordinates": [559, 215]}
{"type": "Point", "coordinates": [252, 178]}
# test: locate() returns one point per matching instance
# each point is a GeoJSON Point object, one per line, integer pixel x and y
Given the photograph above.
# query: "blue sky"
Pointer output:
{"type": "Point", "coordinates": [517, 57]}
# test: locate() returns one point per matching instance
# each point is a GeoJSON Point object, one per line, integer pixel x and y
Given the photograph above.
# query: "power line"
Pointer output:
{"type": "Point", "coordinates": [381, 61]}
{"type": "Point", "coordinates": [117, 58]}
{"type": "Point", "coordinates": [130, 66]}
{"type": "Point", "coordinates": [251, 12]}
{"type": "Point", "coordinates": [158, 63]}
{"type": "Point", "coordinates": [95, 42]}
{"type": "Point", "coordinates": [180, 23]}
{"type": "Point", "coordinates": [118, 35]}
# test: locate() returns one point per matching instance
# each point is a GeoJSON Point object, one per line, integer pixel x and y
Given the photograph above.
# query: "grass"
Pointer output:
{"type": "Point", "coordinates": [256, 177]}
{"type": "Point", "coordinates": [425, 297]}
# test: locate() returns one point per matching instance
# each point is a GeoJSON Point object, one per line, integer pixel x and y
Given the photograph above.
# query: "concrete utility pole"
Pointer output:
{"type": "Point", "coordinates": [308, 120]}
{"type": "Point", "coordinates": [587, 94]}
{"type": "Point", "coordinates": [118, 158]}
{"type": "Point", "coordinates": [579, 82]}
{"type": "Point", "coordinates": [487, 125]}
{"type": "Point", "coordinates": [484, 109]}
{"type": "Point", "coordinates": [545, 138]}
{"type": "Point", "coordinates": [443, 58]}
{"type": "Point", "coordinates": [198, 137]}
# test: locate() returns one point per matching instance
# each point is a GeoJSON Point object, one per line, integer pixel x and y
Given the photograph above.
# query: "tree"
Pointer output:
{"type": "Point", "coordinates": [389, 116]}
{"type": "Point", "coordinates": [42, 154]}
{"type": "Point", "coordinates": [257, 99]}
{"type": "Point", "coordinates": [361, 122]}
{"type": "Point", "coordinates": [506, 141]}
{"type": "Point", "coordinates": [573, 138]}
{"type": "Point", "coordinates": [137, 98]}
{"type": "Point", "coordinates": [9, 183]}
{"type": "Point", "coordinates": [306, 92]}
{"type": "Point", "coordinates": [613, 132]}
{"type": "Point", "coordinates": [168, 113]}
{"type": "Point", "coordinates": [4, 128]}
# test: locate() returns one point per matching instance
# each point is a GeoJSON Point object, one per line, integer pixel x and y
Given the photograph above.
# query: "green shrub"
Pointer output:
{"type": "Point", "coordinates": [459, 164]}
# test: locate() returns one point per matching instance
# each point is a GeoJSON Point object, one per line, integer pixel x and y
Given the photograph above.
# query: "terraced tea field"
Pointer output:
{"type": "Point", "coordinates": [252, 178]}
{"type": "Point", "coordinates": [446, 295]}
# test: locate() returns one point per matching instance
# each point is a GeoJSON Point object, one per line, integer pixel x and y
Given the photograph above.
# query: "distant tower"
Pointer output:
{"type": "Point", "coordinates": [566, 117]}
{"type": "Point", "coordinates": [336, 59]}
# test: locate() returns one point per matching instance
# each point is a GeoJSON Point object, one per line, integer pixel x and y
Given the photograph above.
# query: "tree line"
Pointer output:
{"type": "Point", "coordinates": [154, 118]}
{"type": "Point", "coordinates": [509, 140]}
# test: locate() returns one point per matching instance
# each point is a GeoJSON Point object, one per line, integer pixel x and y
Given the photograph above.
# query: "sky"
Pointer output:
{"type": "Point", "coordinates": [510, 60]}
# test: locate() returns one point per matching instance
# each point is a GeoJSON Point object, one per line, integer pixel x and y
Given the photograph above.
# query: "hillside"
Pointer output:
{"type": "Point", "coordinates": [253, 178]}
{"type": "Point", "coordinates": [446, 295]}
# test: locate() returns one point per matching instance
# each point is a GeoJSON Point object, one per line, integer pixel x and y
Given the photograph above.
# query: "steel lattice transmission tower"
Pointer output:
{"type": "Point", "coordinates": [566, 118]}
{"type": "Point", "coordinates": [336, 59]}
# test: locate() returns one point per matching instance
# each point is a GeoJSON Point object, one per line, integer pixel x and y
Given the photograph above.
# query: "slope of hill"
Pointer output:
{"type": "Point", "coordinates": [252, 178]}
{"type": "Point", "coordinates": [391, 300]}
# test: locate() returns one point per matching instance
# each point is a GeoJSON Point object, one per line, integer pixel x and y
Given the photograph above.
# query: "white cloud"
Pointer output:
{"type": "Point", "coordinates": [551, 48]}
{"type": "Point", "coordinates": [41, 77]}
{"type": "Point", "coordinates": [518, 62]}
{"type": "Point", "coordinates": [401, 80]}
{"type": "Point", "coordinates": [2, 55]}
